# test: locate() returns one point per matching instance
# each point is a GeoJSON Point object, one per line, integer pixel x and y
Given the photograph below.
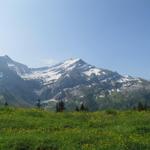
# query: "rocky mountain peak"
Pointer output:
{"type": "Point", "coordinates": [13, 65]}
{"type": "Point", "coordinates": [70, 79]}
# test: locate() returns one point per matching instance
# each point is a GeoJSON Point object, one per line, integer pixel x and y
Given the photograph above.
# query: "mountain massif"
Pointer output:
{"type": "Point", "coordinates": [73, 81]}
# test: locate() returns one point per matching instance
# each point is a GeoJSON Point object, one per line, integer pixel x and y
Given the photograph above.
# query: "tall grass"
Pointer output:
{"type": "Point", "coordinates": [32, 129]}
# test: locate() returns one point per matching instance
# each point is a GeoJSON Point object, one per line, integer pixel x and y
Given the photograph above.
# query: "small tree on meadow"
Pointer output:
{"type": "Point", "coordinates": [38, 104]}
{"type": "Point", "coordinates": [140, 106]}
{"type": "Point", "coordinates": [83, 108]}
{"type": "Point", "coordinates": [77, 108]}
{"type": "Point", "coordinates": [6, 104]}
{"type": "Point", "coordinates": [60, 106]}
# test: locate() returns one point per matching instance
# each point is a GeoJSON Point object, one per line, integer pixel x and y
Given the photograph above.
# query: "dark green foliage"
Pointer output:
{"type": "Point", "coordinates": [38, 104]}
{"type": "Point", "coordinates": [5, 104]}
{"type": "Point", "coordinates": [83, 108]}
{"type": "Point", "coordinates": [140, 106]}
{"type": "Point", "coordinates": [77, 108]}
{"type": "Point", "coordinates": [125, 100]}
{"type": "Point", "coordinates": [60, 106]}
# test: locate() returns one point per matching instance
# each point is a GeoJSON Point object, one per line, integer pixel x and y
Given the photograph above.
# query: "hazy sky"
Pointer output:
{"type": "Point", "coordinates": [111, 34]}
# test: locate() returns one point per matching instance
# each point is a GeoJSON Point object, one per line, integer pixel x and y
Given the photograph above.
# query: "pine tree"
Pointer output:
{"type": "Point", "coordinates": [77, 108]}
{"type": "Point", "coordinates": [140, 106]}
{"type": "Point", "coordinates": [60, 106]}
{"type": "Point", "coordinates": [38, 104]}
{"type": "Point", "coordinates": [6, 104]}
{"type": "Point", "coordinates": [82, 108]}
{"type": "Point", "coordinates": [57, 107]}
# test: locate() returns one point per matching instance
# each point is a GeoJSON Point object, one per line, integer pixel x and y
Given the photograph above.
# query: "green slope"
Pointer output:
{"type": "Point", "coordinates": [31, 129]}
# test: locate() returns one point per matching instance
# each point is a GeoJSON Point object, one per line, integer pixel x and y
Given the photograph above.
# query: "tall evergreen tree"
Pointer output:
{"type": "Point", "coordinates": [83, 108]}
{"type": "Point", "coordinates": [77, 108]}
{"type": "Point", "coordinates": [60, 106]}
{"type": "Point", "coordinates": [140, 106]}
{"type": "Point", "coordinates": [38, 104]}
{"type": "Point", "coordinates": [5, 104]}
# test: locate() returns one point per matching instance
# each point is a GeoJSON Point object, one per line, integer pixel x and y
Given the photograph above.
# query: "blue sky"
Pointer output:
{"type": "Point", "coordinates": [111, 34]}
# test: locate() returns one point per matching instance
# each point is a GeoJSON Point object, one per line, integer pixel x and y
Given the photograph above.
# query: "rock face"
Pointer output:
{"type": "Point", "coordinates": [13, 88]}
{"type": "Point", "coordinates": [19, 68]}
{"type": "Point", "coordinates": [71, 79]}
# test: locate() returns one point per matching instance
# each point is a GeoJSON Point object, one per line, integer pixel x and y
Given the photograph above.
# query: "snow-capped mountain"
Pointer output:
{"type": "Point", "coordinates": [64, 69]}
{"type": "Point", "coordinates": [73, 76]}
{"type": "Point", "coordinates": [71, 79]}
{"type": "Point", "coordinates": [77, 69]}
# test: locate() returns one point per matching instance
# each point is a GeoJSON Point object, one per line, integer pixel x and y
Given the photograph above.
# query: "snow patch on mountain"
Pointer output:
{"type": "Point", "coordinates": [94, 71]}
{"type": "Point", "coordinates": [78, 71]}
{"type": "Point", "coordinates": [127, 78]}
{"type": "Point", "coordinates": [52, 74]}
{"type": "Point", "coordinates": [69, 63]}
{"type": "Point", "coordinates": [16, 69]}
{"type": "Point", "coordinates": [10, 65]}
{"type": "Point", "coordinates": [47, 76]}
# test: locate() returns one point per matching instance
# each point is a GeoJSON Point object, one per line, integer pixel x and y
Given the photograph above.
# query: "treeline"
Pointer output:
{"type": "Point", "coordinates": [136, 100]}
{"type": "Point", "coordinates": [60, 106]}
{"type": "Point", "coordinates": [5, 104]}
{"type": "Point", "coordinates": [141, 107]}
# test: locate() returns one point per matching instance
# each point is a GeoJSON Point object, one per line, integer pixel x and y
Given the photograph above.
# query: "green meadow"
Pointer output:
{"type": "Point", "coordinates": [33, 129]}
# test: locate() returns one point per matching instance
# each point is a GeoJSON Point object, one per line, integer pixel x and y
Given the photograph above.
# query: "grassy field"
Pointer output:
{"type": "Point", "coordinates": [31, 129]}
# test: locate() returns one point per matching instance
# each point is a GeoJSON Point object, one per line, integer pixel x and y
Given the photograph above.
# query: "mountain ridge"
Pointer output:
{"type": "Point", "coordinates": [70, 79]}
